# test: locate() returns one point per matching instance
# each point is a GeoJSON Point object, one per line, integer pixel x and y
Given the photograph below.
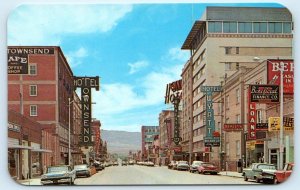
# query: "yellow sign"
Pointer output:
{"type": "Point", "coordinates": [274, 123]}
{"type": "Point", "coordinates": [251, 145]}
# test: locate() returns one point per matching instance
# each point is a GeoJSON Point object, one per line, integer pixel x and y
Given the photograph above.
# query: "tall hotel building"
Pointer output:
{"type": "Point", "coordinates": [221, 42]}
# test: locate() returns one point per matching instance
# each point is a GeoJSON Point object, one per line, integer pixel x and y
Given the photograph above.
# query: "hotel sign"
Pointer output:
{"type": "Point", "coordinates": [263, 93]}
{"type": "Point", "coordinates": [18, 58]}
{"type": "Point", "coordinates": [86, 84]}
{"type": "Point", "coordinates": [209, 140]}
{"type": "Point", "coordinates": [274, 66]}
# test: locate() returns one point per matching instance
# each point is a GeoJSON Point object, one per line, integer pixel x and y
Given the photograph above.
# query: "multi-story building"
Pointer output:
{"type": "Point", "coordinates": [76, 152]}
{"type": "Point", "coordinates": [148, 133]}
{"type": "Point", "coordinates": [187, 109]}
{"type": "Point", "coordinates": [43, 93]}
{"type": "Point", "coordinates": [224, 40]}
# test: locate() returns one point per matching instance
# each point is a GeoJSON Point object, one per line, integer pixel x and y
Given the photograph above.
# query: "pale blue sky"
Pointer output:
{"type": "Point", "coordinates": [135, 49]}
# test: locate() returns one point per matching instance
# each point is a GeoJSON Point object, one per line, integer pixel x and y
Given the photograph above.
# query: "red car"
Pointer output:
{"type": "Point", "coordinates": [282, 175]}
{"type": "Point", "coordinates": [207, 168]}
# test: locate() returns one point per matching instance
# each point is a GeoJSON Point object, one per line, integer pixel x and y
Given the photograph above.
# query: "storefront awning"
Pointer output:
{"type": "Point", "coordinates": [17, 146]}
{"type": "Point", "coordinates": [41, 150]}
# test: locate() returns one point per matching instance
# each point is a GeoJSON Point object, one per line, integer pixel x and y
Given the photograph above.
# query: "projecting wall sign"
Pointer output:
{"type": "Point", "coordinates": [86, 84]}
{"type": "Point", "coordinates": [210, 140]}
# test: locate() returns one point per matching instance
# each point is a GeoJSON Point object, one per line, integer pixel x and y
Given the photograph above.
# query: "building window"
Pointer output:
{"type": "Point", "coordinates": [33, 110]}
{"type": "Point", "coordinates": [33, 90]}
{"type": "Point", "coordinates": [287, 27]}
{"type": "Point", "coordinates": [227, 102]}
{"type": "Point", "coordinates": [238, 148]}
{"type": "Point", "coordinates": [227, 149]}
{"type": "Point", "coordinates": [260, 27]}
{"type": "Point", "coordinates": [32, 69]}
{"type": "Point", "coordinates": [275, 27]}
{"type": "Point", "coordinates": [230, 27]}
{"type": "Point", "coordinates": [228, 67]}
{"type": "Point", "coordinates": [215, 27]}
{"type": "Point", "coordinates": [238, 96]}
{"type": "Point", "coordinates": [238, 118]}
{"type": "Point", "coordinates": [228, 50]}
{"type": "Point", "coordinates": [259, 116]}
{"type": "Point", "coordinates": [245, 27]}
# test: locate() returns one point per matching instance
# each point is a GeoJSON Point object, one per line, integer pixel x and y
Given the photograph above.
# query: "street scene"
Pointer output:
{"type": "Point", "coordinates": [158, 94]}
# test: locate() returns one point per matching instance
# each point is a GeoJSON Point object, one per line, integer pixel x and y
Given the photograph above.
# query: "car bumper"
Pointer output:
{"type": "Point", "coordinates": [55, 180]}
{"type": "Point", "coordinates": [82, 173]}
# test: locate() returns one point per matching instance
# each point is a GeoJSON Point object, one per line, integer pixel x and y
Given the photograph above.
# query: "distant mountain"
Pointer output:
{"type": "Point", "coordinates": [121, 142]}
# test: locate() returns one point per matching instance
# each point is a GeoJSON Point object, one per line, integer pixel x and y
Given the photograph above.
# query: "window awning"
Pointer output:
{"type": "Point", "coordinates": [17, 146]}
{"type": "Point", "coordinates": [41, 150]}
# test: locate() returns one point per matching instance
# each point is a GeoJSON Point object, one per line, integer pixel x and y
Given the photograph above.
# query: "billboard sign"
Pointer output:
{"type": "Point", "coordinates": [18, 58]}
{"type": "Point", "coordinates": [262, 93]}
{"type": "Point", "coordinates": [274, 66]}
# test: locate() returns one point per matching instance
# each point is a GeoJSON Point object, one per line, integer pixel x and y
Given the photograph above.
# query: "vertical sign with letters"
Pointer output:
{"type": "Point", "coordinates": [86, 84]}
{"type": "Point", "coordinates": [251, 118]}
{"type": "Point", "coordinates": [210, 140]}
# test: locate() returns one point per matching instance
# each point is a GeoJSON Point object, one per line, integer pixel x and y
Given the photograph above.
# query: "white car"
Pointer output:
{"type": "Point", "coordinates": [59, 174]}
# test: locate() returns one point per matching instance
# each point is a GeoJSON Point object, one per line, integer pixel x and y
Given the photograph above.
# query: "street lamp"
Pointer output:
{"type": "Point", "coordinates": [281, 145]}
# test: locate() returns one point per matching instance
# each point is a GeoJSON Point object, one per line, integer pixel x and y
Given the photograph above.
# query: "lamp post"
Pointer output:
{"type": "Point", "coordinates": [281, 145]}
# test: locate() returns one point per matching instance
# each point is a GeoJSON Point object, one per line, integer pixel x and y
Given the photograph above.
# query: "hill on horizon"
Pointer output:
{"type": "Point", "coordinates": [121, 142]}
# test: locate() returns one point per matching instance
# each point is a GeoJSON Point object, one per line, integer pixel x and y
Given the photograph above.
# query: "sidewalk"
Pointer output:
{"type": "Point", "coordinates": [34, 181]}
{"type": "Point", "coordinates": [231, 174]}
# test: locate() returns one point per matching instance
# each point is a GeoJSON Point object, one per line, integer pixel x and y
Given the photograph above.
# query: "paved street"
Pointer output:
{"type": "Point", "coordinates": [127, 175]}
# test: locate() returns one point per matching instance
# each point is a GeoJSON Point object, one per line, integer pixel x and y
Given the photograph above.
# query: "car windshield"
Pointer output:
{"type": "Point", "coordinates": [57, 169]}
{"type": "Point", "coordinates": [197, 163]}
{"type": "Point", "coordinates": [267, 167]}
{"type": "Point", "coordinates": [182, 162]}
{"type": "Point", "coordinates": [80, 167]}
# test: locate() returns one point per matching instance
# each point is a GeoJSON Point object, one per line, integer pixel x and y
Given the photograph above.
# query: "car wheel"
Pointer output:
{"type": "Point", "coordinates": [245, 178]}
{"type": "Point", "coordinates": [257, 180]}
{"type": "Point", "coordinates": [275, 181]}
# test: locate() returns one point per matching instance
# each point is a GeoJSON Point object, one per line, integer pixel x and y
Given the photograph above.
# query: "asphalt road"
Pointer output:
{"type": "Point", "coordinates": [143, 175]}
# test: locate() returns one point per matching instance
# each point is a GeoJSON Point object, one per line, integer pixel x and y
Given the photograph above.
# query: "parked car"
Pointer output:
{"type": "Point", "coordinates": [149, 163]}
{"type": "Point", "coordinates": [172, 164]}
{"type": "Point", "coordinates": [131, 162]}
{"type": "Point", "coordinates": [58, 174]}
{"type": "Point", "coordinates": [260, 172]}
{"type": "Point", "coordinates": [124, 163]}
{"type": "Point", "coordinates": [82, 170]}
{"type": "Point", "coordinates": [98, 166]}
{"type": "Point", "coordinates": [182, 165]}
{"type": "Point", "coordinates": [115, 163]}
{"type": "Point", "coordinates": [282, 175]}
{"type": "Point", "coordinates": [194, 166]}
{"type": "Point", "coordinates": [206, 167]}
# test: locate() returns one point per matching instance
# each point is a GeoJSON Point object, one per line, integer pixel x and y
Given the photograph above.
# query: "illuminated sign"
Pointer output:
{"type": "Point", "coordinates": [174, 95]}
{"type": "Point", "coordinates": [86, 84]}
{"type": "Point", "coordinates": [274, 66]}
{"type": "Point", "coordinates": [210, 140]}
{"type": "Point", "coordinates": [18, 58]}
{"type": "Point", "coordinates": [263, 93]}
{"type": "Point", "coordinates": [252, 121]}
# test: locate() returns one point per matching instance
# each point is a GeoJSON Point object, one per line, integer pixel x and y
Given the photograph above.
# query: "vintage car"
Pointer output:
{"type": "Point", "coordinates": [171, 164]}
{"type": "Point", "coordinates": [260, 172]}
{"type": "Point", "coordinates": [182, 165]}
{"type": "Point", "coordinates": [59, 174]}
{"type": "Point", "coordinates": [82, 170]}
{"type": "Point", "coordinates": [281, 175]}
{"type": "Point", "coordinates": [194, 166]}
{"type": "Point", "coordinates": [206, 167]}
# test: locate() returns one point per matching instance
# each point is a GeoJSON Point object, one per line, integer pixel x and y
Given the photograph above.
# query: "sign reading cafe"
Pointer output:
{"type": "Point", "coordinates": [18, 58]}
{"type": "Point", "coordinates": [86, 84]}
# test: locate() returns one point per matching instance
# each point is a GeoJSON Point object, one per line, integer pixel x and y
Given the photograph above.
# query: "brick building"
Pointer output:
{"type": "Point", "coordinates": [42, 94]}
{"type": "Point", "coordinates": [148, 133]}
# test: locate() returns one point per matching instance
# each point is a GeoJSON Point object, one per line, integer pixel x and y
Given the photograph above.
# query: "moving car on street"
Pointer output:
{"type": "Point", "coordinates": [82, 170]}
{"type": "Point", "coordinates": [206, 167]}
{"type": "Point", "coordinates": [194, 166]}
{"type": "Point", "coordinates": [59, 174]}
{"type": "Point", "coordinates": [282, 175]}
{"type": "Point", "coordinates": [182, 165]}
{"type": "Point", "coordinates": [260, 172]}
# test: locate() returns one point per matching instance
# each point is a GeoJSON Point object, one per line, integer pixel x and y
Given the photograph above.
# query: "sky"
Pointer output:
{"type": "Point", "coordinates": [135, 49]}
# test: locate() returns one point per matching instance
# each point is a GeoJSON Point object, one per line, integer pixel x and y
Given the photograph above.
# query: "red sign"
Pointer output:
{"type": "Point", "coordinates": [274, 66]}
{"type": "Point", "coordinates": [251, 118]}
{"type": "Point", "coordinates": [233, 127]}
{"type": "Point", "coordinates": [177, 149]}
